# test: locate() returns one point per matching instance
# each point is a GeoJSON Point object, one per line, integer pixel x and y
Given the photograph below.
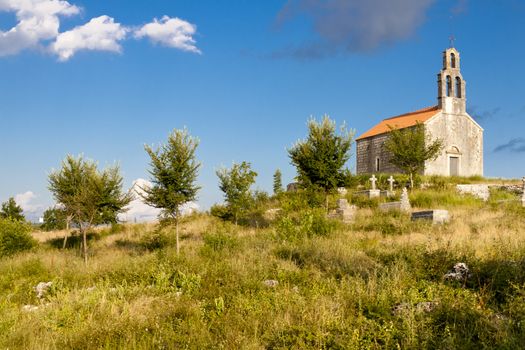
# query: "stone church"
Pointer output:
{"type": "Point", "coordinates": [462, 154]}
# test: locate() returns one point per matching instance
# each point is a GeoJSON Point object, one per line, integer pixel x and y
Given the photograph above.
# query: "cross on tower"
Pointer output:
{"type": "Point", "coordinates": [452, 39]}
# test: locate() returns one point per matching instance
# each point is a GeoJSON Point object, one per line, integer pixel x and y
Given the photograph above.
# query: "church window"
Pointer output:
{"type": "Point", "coordinates": [458, 87]}
{"type": "Point", "coordinates": [449, 85]}
{"type": "Point", "coordinates": [377, 164]}
{"type": "Point", "coordinates": [452, 60]}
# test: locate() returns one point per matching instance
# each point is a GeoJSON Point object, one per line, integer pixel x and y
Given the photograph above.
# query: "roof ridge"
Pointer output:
{"type": "Point", "coordinates": [426, 109]}
{"type": "Point", "coordinates": [401, 121]}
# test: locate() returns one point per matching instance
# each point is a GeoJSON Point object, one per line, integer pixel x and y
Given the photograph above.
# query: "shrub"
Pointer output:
{"type": "Point", "coordinates": [388, 223]}
{"type": "Point", "coordinates": [156, 239]}
{"type": "Point", "coordinates": [220, 211]}
{"type": "Point", "coordinates": [309, 223]}
{"type": "Point", "coordinates": [219, 241]}
{"type": "Point", "coordinates": [364, 202]}
{"type": "Point", "coordinates": [14, 237]}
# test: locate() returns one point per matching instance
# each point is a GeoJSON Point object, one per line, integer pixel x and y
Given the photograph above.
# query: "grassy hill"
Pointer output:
{"type": "Point", "coordinates": [357, 286]}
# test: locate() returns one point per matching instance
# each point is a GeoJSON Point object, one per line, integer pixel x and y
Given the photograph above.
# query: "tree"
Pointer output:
{"type": "Point", "coordinates": [54, 219]}
{"type": "Point", "coordinates": [411, 148]}
{"type": "Point", "coordinates": [236, 183]}
{"type": "Point", "coordinates": [320, 158]}
{"type": "Point", "coordinates": [88, 196]}
{"type": "Point", "coordinates": [11, 210]}
{"type": "Point", "coordinates": [174, 172]}
{"type": "Point", "coordinates": [277, 182]}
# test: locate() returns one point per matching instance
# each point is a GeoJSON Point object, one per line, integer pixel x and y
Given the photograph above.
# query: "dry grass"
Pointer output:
{"type": "Point", "coordinates": [335, 291]}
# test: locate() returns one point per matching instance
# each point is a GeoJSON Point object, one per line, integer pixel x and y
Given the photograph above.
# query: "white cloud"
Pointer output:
{"type": "Point", "coordinates": [26, 201]}
{"type": "Point", "coordinates": [140, 212]}
{"type": "Point", "coordinates": [100, 34]}
{"type": "Point", "coordinates": [38, 24]}
{"type": "Point", "coordinates": [38, 20]}
{"type": "Point", "coordinates": [170, 32]}
{"type": "Point", "coordinates": [137, 209]}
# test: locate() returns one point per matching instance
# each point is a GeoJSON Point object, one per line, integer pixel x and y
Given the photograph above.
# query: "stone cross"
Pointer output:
{"type": "Point", "coordinates": [391, 182]}
{"type": "Point", "coordinates": [405, 202]}
{"type": "Point", "coordinates": [373, 180]}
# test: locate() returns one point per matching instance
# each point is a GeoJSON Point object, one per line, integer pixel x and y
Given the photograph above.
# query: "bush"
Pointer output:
{"type": "Point", "coordinates": [220, 211]}
{"type": "Point", "coordinates": [14, 237]}
{"type": "Point", "coordinates": [220, 241]}
{"type": "Point", "coordinates": [156, 239]}
{"type": "Point", "coordinates": [388, 223]}
{"type": "Point", "coordinates": [309, 223]}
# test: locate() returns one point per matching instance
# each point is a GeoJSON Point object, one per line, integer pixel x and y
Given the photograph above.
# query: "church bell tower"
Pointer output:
{"type": "Point", "coordinates": [451, 86]}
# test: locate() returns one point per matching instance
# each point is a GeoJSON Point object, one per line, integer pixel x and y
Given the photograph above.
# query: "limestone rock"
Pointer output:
{"type": "Point", "coordinates": [29, 308]}
{"type": "Point", "coordinates": [42, 288]}
{"type": "Point", "coordinates": [460, 272]}
{"type": "Point", "coordinates": [271, 283]}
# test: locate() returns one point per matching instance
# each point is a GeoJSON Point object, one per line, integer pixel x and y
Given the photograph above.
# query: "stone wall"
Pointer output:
{"type": "Point", "coordinates": [480, 191]}
{"type": "Point", "coordinates": [459, 132]}
{"type": "Point", "coordinates": [462, 133]}
{"type": "Point", "coordinates": [367, 151]}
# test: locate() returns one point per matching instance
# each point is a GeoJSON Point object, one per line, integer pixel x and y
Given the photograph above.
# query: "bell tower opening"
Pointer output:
{"type": "Point", "coordinates": [451, 86]}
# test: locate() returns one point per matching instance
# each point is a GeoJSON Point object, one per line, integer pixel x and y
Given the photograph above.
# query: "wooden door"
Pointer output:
{"type": "Point", "coordinates": [454, 166]}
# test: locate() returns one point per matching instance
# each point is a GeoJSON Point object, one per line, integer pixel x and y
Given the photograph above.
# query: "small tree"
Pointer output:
{"type": "Point", "coordinates": [174, 172]}
{"type": "Point", "coordinates": [277, 182]}
{"type": "Point", "coordinates": [236, 183]}
{"type": "Point", "coordinates": [320, 158]}
{"type": "Point", "coordinates": [11, 210]}
{"type": "Point", "coordinates": [411, 148]}
{"type": "Point", "coordinates": [88, 196]}
{"type": "Point", "coordinates": [54, 219]}
{"type": "Point", "coordinates": [15, 236]}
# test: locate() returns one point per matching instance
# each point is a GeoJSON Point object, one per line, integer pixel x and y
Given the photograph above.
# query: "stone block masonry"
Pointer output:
{"type": "Point", "coordinates": [479, 191]}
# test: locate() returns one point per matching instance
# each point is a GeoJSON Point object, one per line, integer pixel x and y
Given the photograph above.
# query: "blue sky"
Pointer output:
{"type": "Point", "coordinates": [242, 76]}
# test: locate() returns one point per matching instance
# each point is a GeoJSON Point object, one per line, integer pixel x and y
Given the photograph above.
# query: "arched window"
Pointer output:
{"type": "Point", "coordinates": [458, 87]}
{"type": "Point", "coordinates": [453, 60]}
{"type": "Point", "coordinates": [449, 86]}
{"type": "Point", "coordinates": [377, 164]}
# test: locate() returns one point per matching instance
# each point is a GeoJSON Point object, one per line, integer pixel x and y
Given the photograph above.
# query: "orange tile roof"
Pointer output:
{"type": "Point", "coordinates": [401, 121]}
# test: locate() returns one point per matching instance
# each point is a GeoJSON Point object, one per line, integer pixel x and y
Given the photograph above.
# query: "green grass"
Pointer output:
{"type": "Point", "coordinates": [337, 284]}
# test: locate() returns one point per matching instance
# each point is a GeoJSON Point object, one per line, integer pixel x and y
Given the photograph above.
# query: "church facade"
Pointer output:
{"type": "Point", "coordinates": [462, 136]}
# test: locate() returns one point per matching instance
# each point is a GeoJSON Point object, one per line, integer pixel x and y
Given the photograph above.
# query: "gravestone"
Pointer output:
{"type": "Point", "coordinates": [344, 211]}
{"type": "Point", "coordinates": [405, 201]}
{"type": "Point", "coordinates": [390, 192]}
{"type": "Point", "coordinates": [391, 183]}
{"type": "Point", "coordinates": [437, 216]}
{"type": "Point", "coordinates": [402, 205]}
{"type": "Point", "coordinates": [374, 192]}
{"type": "Point", "coordinates": [342, 191]}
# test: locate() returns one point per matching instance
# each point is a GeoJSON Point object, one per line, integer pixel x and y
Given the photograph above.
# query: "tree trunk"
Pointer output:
{"type": "Point", "coordinates": [84, 246]}
{"type": "Point", "coordinates": [411, 181]}
{"type": "Point", "coordinates": [67, 233]}
{"type": "Point", "coordinates": [177, 234]}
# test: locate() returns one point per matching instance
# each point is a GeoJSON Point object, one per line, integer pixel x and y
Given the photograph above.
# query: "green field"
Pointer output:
{"type": "Point", "coordinates": [337, 284]}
